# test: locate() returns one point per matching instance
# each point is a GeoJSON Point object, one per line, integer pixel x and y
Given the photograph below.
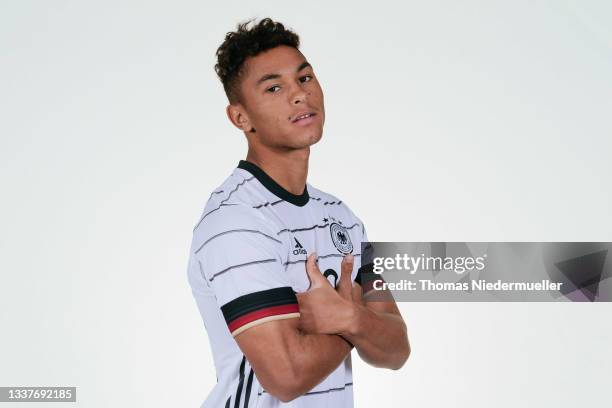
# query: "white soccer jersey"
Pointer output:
{"type": "Point", "coordinates": [247, 261]}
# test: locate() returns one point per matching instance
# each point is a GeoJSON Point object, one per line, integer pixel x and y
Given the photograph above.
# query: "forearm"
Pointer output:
{"type": "Point", "coordinates": [288, 362]}
{"type": "Point", "coordinates": [381, 339]}
{"type": "Point", "coordinates": [315, 356]}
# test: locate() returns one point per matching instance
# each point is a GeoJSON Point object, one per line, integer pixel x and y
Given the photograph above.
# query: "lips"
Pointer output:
{"type": "Point", "coordinates": [302, 116]}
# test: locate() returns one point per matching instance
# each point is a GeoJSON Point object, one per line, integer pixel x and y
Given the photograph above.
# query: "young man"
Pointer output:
{"type": "Point", "coordinates": [273, 259]}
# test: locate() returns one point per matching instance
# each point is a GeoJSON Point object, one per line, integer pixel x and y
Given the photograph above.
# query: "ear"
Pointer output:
{"type": "Point", "coordinates": [238, 116]}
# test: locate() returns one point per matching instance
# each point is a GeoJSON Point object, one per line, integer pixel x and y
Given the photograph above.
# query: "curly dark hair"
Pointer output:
{"type": "Point", "coordinates": [248, 42]}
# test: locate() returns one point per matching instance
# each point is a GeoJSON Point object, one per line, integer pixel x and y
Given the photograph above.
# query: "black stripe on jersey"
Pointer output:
{"type": "Point", "coordinates": [247, 395]}
{"type": "Point", "coordinates": [252, 302]}
{"type": "Point", "coordinates": [327, 202]}
{"type": "Point", "coordinates": [207, 214]}
{"type": "Point", "coordinates": [336, 255]}
{"type": "Point", "coordinates": [320, 392]}
{"type": "Point", "coordinates": [223, 201]}
{"type": "Point", "coordinates": [227, 404]}
{"type": "Point", "coordinates": [267, 203]}
{"type": "Point", "coordinates": [272, 186]}
{"type": "Point", "coordinates": [232, 231]}
{"type": "Point", "coordinates": [320, 257]}
{"type": "Point", "coordinates": [240, 266]}
{"type": "Point", "coordinates": [302, 229]}
{"type": "Point", "coordinates": [240, 382]}
{"type": "Point", "coordinates": [329, 390]}
{"type": "Point", "coordinates": [313, 227]}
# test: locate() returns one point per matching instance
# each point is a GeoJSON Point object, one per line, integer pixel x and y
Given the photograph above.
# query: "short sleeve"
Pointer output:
{"type": "Point", "coordinates": [242, 262]}
{"type": "Point", "coordinates": [365, 275]}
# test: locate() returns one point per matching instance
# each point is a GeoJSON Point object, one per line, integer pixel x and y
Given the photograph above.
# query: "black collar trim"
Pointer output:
{"type": "Point", "coordinates": [272, 186]}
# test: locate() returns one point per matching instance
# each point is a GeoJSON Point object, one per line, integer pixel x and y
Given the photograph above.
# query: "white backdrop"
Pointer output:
{"type": "Point", "coordinates": [460, 121]}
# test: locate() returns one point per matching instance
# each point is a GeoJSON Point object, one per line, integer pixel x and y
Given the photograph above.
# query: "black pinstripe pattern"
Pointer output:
{"type": "Point", "coordinates": [224, 200]}
{"type": "Point", "coordinates": [313, 227]}
{"type": "Point", "coordinates": [232, 231]}
{"type": "Point", "coordinates": [327, 202]}
{"type": "Point", "coordinates": [319, 257]}
{"type": "Point", "coordinates": [267, 203]}
{"type": "Point", "coordinates": [241, 265]}
{"type": "Point", "coordinates": [320, 392]}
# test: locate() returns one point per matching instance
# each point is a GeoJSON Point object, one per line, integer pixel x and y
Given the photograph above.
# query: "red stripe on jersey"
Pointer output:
{"type": "Point", "coordinates": [260, 314]}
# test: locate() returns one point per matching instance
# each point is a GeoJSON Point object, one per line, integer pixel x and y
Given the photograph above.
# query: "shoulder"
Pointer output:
{"type": "Point", "coordinates": [235, 189]}
{"type": "Point", "coordinates": [232, 217]}
{"type": "Point", "coordinates": [322, 197]}
{"type": "Point", "coordinates": [232, 205]}
{"type": "Point", "coordinates": [333, 202]}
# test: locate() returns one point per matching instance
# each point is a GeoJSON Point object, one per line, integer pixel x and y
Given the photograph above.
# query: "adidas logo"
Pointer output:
{"type": "Point", "coordinates": [298, 249]}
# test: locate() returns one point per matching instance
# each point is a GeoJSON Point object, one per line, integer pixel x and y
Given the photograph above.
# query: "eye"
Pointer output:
{"type": "Point", "coordinates": [273, 89]}
{"type": "Point", "coordinates": [306, 78]}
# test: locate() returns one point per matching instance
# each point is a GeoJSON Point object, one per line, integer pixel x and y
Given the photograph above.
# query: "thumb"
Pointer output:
{"type": "Point", "coordinates": [346, 285]}
{"type": "Point", "coordinates": [313, 271]}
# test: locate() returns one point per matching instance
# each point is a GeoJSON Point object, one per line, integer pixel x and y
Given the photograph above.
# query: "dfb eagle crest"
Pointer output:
{"type": "Point", "coordinates": [341, 238]}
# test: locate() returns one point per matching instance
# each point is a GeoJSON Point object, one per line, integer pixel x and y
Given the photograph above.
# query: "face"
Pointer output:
{"type": "Point", "coordinates": [281, 99]}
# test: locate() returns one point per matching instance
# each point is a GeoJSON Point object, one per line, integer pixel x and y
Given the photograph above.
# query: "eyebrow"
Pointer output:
{"type": "Point", "coordinates": [268, 77]}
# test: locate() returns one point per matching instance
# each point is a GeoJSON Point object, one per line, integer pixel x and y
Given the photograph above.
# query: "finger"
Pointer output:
{"type": "Point", "coordinates": [357, 294]}
{"type": "Point", "coordinates": [313, 271]}
{"type": "Point", "coordinates": [346, 266]}
{"type": "Point", "coordinates": [346, 269]}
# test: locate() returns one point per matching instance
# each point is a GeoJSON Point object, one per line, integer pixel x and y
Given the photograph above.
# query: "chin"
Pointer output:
{"type": "Point", "coordinates": [312, 138]}
{"type": "Point", "coordinates": [302, 139]}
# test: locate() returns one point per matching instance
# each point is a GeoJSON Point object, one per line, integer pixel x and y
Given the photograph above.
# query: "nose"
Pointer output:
{"type": "Point", "coordinates": [299, 95]}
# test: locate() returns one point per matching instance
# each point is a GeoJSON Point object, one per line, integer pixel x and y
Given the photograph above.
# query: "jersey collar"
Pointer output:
{"type": "Point", "coordinates": [272, 186]}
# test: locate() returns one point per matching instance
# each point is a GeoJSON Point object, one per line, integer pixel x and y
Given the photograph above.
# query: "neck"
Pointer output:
{"type": "Point", "coordinates": [289, 169]}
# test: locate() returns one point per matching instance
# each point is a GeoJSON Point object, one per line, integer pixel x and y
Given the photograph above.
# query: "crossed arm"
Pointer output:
{"type": "Point", "coordinates": [291, 356]}
{"type": "Point", "coordinates": [288, 362]}
{"type": "Point", "coordinates": [379, 334]}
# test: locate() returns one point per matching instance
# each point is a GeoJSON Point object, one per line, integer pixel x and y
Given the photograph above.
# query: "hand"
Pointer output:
{"type": "Point", "coordinates": [324, 310]}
